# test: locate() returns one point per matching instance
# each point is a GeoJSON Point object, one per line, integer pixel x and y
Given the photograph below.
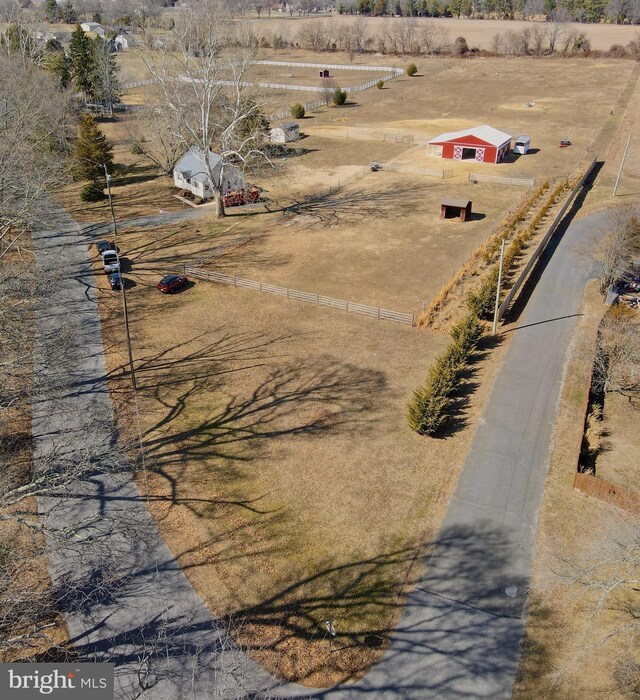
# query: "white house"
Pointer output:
{"type": "Point", "coordinates": [190, 173]}
{"type": "Point", "coordinates": [94, 27]}
{"type": "Point", "coordinates": [123, 41]}
{"type": "Point", "coordinates": [285, 133]}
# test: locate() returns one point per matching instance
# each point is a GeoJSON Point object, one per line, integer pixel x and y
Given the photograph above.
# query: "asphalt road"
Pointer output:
{"type": "Point", "coordinates": [126, 599]}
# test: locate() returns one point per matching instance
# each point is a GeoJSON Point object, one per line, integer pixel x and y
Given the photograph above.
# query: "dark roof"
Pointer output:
{"type": "Point", "coordinates": [461, 203]}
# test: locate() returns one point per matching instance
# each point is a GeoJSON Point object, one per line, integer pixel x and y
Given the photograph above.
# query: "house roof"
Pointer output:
{"type": "Point", "coordinates": [486, 134]}
{"type": "Point", "coordinates": [194, 162]}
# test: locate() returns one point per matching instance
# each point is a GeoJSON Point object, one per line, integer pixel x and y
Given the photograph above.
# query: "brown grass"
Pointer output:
{"type": "Point", "coordinates": [288, 484]}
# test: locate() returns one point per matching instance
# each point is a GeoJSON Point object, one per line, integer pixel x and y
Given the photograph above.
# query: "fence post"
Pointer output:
{"type": "Point", "coordinates": [234, 281]}
{"type": "Point", "coordinates": [378, 313]}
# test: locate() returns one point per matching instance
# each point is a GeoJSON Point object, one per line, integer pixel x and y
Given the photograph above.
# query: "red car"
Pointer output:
{"type": "Point", "coordinates": [170, 283]}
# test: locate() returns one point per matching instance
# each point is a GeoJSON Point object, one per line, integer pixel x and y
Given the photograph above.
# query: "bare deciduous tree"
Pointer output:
{"type": "Point", "coordinates": [620, 244]}
{"type": "Point", "coordinates": [34, 138]}
{"type": "Point", "coordinates": [617, 361]}
{"type": "Point", "coordinates": [204, 92]}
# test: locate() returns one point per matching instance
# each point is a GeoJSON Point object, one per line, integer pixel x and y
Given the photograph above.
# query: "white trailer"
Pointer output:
{"type": "Point", "coordinates": [522, 145]}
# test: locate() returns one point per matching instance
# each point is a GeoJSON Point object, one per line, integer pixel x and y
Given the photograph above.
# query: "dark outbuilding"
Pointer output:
{"type": "Point", "coordinates": [456, 209]}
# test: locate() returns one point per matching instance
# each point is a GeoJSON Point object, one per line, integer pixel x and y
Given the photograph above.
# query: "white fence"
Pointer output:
{"type": "Point", "coordinates": [503, 180]}
{"type": "Point", "coordinates": [391, 73]}
{"type": "Point", "coordinates": [413, 170]}
{"type": "Point", "coordinates": [297, 295]}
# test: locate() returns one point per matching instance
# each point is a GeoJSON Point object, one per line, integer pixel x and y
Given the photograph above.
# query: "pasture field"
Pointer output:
{"type": "Point", "coordinates": [281, 469]}
{"type": "Point", "coordinates": [478, 33]}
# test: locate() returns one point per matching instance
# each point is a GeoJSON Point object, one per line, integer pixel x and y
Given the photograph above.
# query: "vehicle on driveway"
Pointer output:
{"type": "Point", "coordinates": [170, 283]}
{"type": "Point", "coordinates": [116, 281]}
{"type": "Point", "coordinates": [104, 246]}
{"type": "Point", "coordinates": [110, 261]}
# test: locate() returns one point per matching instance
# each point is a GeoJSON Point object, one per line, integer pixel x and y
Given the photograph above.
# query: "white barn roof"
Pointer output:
{"type": "Point", "coordinates": [488, 134]}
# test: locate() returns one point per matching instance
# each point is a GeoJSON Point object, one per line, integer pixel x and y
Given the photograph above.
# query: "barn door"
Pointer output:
{"type": "Point", "coordinates": [480, 155]}
{"type": "Point", "coordinates": [457, 152]}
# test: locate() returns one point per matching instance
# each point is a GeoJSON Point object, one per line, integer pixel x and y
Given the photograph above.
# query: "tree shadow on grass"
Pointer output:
{"type": "Point", "coordinates": [356, 205]}
{"type": "Point", "coordinates": [434, 645]}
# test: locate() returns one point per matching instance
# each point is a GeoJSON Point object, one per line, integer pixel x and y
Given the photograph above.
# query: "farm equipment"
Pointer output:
{"type": "Point", "coordinates": [564, 143]}
{"type": "Point", "coordinates": [375, 167]}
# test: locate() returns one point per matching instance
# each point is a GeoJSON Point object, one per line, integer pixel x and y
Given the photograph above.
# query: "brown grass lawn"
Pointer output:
{"type": "Point", "coordinates": [568, 652]}
{"type": "Point", "coordinates": [283, 473]}
{"type": "Point", "coordinates": [284, 476]}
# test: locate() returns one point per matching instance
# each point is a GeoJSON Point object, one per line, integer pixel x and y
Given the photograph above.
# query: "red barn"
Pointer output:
{"type": "Point", "coordinates": [482, 144]}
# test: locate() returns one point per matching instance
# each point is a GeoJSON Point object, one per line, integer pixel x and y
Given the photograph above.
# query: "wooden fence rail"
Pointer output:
{"type": "Point", "coordinates": [503, 180]}
{"type": "Point", "coordinates": [297, 295]}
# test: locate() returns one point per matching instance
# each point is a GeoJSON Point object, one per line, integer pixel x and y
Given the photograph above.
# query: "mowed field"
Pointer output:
{"type": "Point", "coordinates": [282, 471]}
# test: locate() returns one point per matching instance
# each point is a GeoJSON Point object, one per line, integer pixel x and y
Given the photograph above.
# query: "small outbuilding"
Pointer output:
{"type": "Point", "coordinates": [284, 133]}
{"type": "Point", "coordinates": [324, 73]}
{"type": "Point", "coordinates": [455, 209]}
{"type": "Point", "coordinates": [191, 173]}
{"type": "Point", "coordinates": [123, 41]}
{"type": "Point", "coordinates": [522, 145]}
{"type": "Point", "coordinates": [482, 144]}
{"type": "Point", "coordinates": [94, 27]}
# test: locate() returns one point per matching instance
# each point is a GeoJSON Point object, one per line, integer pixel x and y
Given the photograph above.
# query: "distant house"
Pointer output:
{"type": "Point", "coordinates": [190, 173]}
{"type": "Point", "coordinates": [123, 41]}
{"type": "Point", "coordinates": [94, 27]}
{"type": "Point", "coordinates": [284, 133]}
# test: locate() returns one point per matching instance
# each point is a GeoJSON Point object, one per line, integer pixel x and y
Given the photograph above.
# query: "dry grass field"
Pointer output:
{"type": "Point", "coordinates": [478, 33]}
{"type": "Point", "coordinates": [282, 471]}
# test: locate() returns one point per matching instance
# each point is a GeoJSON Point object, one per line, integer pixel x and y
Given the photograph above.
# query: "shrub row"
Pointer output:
{"type": "Point", "coordinates": [482, 301]}
{"type": "Point", "coordinates": [430, 406]}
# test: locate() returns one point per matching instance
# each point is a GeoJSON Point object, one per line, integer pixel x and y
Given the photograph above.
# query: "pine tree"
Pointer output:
{"type": "Point", "coordinates": [105, 84]}
{"type": "Point", "coordinates": [92, 151]}
{"type": "Point", "coordinates": [57, 63]}
{"type": "Point", "coordinates": [51, 11]}
{"type": "Point", "coordinates": [82, 60]}
{"type": "Point", "coordinates": [69, 14]}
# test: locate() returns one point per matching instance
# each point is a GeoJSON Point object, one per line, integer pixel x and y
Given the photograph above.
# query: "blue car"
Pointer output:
{"type": "Point", "coordinates": [115, 280]}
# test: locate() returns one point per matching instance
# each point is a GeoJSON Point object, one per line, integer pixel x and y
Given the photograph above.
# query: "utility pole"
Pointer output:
{"type": "Point", "coordinates": [125, 309]}
{"type": "Point", "coordinates": [497, 306]}
{"type": "Point", "coordinates": [624, 157]}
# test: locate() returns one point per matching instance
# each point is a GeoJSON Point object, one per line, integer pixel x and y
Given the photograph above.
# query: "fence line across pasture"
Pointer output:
{"type": "Point", "coordinates": [503, 180]}
{"type": "Point", "coordinates": [297, 295]}
{"type": "Point", "coordinates": [414, 170]}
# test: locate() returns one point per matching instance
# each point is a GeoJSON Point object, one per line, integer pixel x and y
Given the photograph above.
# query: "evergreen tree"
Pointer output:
{"type": "Point", "coordinates": [56, 62]}
{"type": "Point", "coordinates": [105, 83]}
{"type": "Point", "coordinates": [51, 11]}
{"type": "Point", "coordinates": [92, 151]}
{"type": "Point", "coordinates": [81, 60]}
{"type": "Point", "coordinates": [69, 14]}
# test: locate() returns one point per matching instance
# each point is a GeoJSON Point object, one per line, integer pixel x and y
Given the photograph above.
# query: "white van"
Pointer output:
{"type": "Point", "coordinates": [522, 145]}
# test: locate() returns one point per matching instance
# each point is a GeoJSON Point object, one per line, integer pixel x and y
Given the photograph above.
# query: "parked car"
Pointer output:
{"type": "Point", "coordinates": [104, 246]}
{"type": "Point", "coordinates": [110, 261]}
{"type": "Point", "coordinates": [170, 283]}
{"type": "Point", "coordinates": [116, 281]}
